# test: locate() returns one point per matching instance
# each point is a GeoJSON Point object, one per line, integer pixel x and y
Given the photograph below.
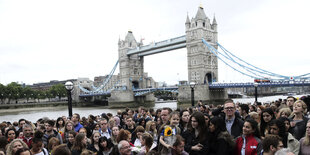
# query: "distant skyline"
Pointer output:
{"type": "Point", "coordinates": [42, 41]}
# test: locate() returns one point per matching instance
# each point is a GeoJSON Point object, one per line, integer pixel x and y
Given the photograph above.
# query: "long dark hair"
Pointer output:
{"type": "Point", "coordinates": [202, 128]}
{"type": "Point", "coordinates": [264, 124]}
{"type": "Point", "coordinates": [282, 133]}
{"type": "Point", "coordinates": [109, 143]}
{"type": "Point", "coordinates": [254, 126]}
{"type": "Point", "coordinates": [78, 145]}
{"type": "Point", "coordinates": [219, 125]}
{"type": "Point", "coordinates": [63, 122]}
{"type": "Point", "coordinates": [181, 114]}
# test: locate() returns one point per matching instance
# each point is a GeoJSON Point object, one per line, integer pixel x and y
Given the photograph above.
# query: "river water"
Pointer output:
{"type": "Point", "coordinates": [33, 114]}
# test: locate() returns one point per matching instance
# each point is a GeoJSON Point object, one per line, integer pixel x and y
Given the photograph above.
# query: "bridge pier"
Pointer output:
{"type": "Point", "coordinates": [126, 98]}
{"type": "Point", "coordinates": [202, 92]}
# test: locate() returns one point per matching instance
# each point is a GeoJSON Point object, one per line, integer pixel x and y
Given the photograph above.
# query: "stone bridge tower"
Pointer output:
{"type": "Point", "coordinates": [202, 64]}
{"type": "Point", "coordinates": [131, 67]}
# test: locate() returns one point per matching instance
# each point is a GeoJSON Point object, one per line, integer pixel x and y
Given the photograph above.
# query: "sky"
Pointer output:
{"type": "Point", "coordinates": [44, 40]}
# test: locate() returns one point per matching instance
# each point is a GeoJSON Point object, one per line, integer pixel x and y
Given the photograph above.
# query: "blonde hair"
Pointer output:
{"type": "Point", "coordinates": [307, 138]}
{"type": "Point", "coordinates": [9, 150]}
{"type": "Point", "coordinates": [287, 111]}
{"type": "Point", "coordinates": [303, 105]}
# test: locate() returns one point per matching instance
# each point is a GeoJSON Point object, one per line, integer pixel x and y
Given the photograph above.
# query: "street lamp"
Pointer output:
{"type": "Point", "coordinates": [255, 86]}
{"type": "Point", "coordinates": [192, 85]}
{"type": "Point", "coordinates": [69, 87]}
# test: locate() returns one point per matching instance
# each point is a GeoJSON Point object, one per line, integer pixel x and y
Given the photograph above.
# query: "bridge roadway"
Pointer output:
{"type": "Point", "coordinates": [140, 92]}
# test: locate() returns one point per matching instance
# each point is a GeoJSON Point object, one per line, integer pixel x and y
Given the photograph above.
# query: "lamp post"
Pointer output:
{"type": "Point", "coordinates": [192, 85]}
{"type": "Point", "coordinates": [255, 86]}
{"type": "Point", "coordinates": [69, 87]}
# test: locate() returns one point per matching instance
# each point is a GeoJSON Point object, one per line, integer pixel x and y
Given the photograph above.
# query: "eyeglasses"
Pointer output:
{"type": "Point", "coordinates": [229, 108]}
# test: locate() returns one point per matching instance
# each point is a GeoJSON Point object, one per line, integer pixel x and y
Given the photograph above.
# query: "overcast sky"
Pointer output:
{"type": "Point", "coordinates": [61, 39]}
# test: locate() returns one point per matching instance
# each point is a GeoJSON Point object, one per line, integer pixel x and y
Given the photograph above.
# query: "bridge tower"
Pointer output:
{"type": "Point", "coordinates": [202, 64]}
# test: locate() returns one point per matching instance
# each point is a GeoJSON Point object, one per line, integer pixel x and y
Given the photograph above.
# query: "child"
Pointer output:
{"type": "Point", "coordinates": [169, 132]}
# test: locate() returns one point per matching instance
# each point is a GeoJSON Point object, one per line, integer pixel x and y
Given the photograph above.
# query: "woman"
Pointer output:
{"type": "Point", "coordinates": [52, 143]}
{"type": "Point", "coordinates": [23, 151]}
{"type": "Point", "coordinates": [14, 146]}
{"type": "Point", "coordinates": [10, 134]}
{"type": "Point", "coordinates": [65, 134]}
{"type": "Point", "coordinates": [299, 121]}
{"type": "Point", "coordinates": [249, 143]}
{"type": "Point", "coordinates": [94, 145]}
{"type": "Point", "coordinates": [266, 116]}
{"type": "Point", "coordinates": [115, 132]}
{"type": "Point", "coordinates": [184, 120]}
{"type": "Point", "coordinates": [137, 134]}
{"type": "Point", "coordinates": [151, 129]}
{"type": "Point", "coordinates": [37, 144]}
{"type": "Point", "coordinates": [105, 146]}
{"type": "Point", "coordinates": [71, 137]}
{"type": "Point", "coordinates": [60, 125]}
{"type": "Point", "coordinates": [195, 136]}
{"type": "Point", "coordinates": [79, 144]}
{"type": "Point", "coordinates": [277, 127]}
{"type": "Point", "coordinates": [285, 112]}
{"type": "Point", "coordinates": [305, 141]}
{"type": "Point", "coordinates": [147, 143]}
{"type": "Point", "coordinates": [219, 140]}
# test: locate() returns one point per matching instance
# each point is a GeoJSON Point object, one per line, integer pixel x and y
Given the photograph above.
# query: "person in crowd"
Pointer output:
{"type": "Point", "coordinates": [284, 151]}
{"type": "Point", "coordinates": [23, 151]}
{"type": "Point", "coordinates": [233, 124]}
{"type": "Point", "coordinates": [271, 144]}
{"type": "Point", "coordinates": [71, 137]}
{"type": "Point", "coordinates": [305, 141]}
{"type": "Point", "coordinates": [28, 134]}
{"type": "Point", "coordinates": [61, 150]}
{"type": "Point", "coordinates": [285, 112]}
{"type": "Point", "coordinates": [3, 143]}
{"type": "Point", "coordinates": [184, 120]}
{"type": "Point", "coordinates": [147, 143]}
{"type": "Point", "coordinates": [79, 144]}
{"type": "Point", "coordinates": [249, 143]}
{"type": "Point", "coordinates": [151, 129]}
{"type": "Point", "coordinates": [10, 134]}
{"type": "Point", "coordinates": [115, 132]}
{"type": "Point", "coordinates": [299, 121]}
{"type": "Point", "coordinates": [68, 127]}
{"type": "Point", "coordinates": [290, 100]}
{"type": "Point", "coordinates": [266, 116]}
{"type": "Point", "coordinates": [196, 135]}
{"type": "Point", "coordinates": [219, 140]}
{"type": "Point", "coordinates": [104, 130]}
{"type": "Point", "coordinates": [137, 135]}
{"type": "Point", "coordinates": [60, 125]}
{"type": "Point", "coordinates": [105, 146]}
{"type": "Point", "coordinates": [14, 145]}
{"type": "Point", "coordinates": [21, 123]}
{"type": "Point", "coordinates": [130, 124]}
{"type": "Point", "coordinates": [207, 119]}
{"type": "Point", "coordinates": [37, 144]}
{"type": "Point", "coordinates": [50, 132]}
{"type": "Point", "coordinates": [84, 130]}
{"type": "Point", "coordinates": [169, 132]}
{"type": "Point", "coordinates": [252, 108]}
{"type": "Point", "coordinates": [244, 111]}
{"type": "Point", "coordinates": [53, 142]}
{"type": "Point", "coordinates": [254, 115]}
{"type": "Point", "coordinates": [277, 127]}
{"type": "Point", "coordinates": [94, 145]}
{"type": "Point", "coordinates": [164, 116]}
{"type": "Point", "coordinates": [124, 135]}
{"type": "Point", "coordinates": [124, 148]}
{"type": "Point", "coordinates": [76, 122]}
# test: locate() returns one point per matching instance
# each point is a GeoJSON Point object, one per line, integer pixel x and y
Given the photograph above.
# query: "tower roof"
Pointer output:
{"type": "Point", "coordinates": [200, 13]}
{"type": "Point", "coordinates": [214, 21]}
{"type": "Point", "coordinates": [129, 37]}
{"type": "Point", "coordinates": [187, 20]}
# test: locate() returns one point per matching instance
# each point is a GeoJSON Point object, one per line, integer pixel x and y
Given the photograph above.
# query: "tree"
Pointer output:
{"type": "Point", "coordinates": [26, 93]}
{"type": "Point", "coordinates": [2, 93]}
{"type": "Point", "coordinates": [58, 90]}
{"type": "Point", "coordinates": [13, 91]}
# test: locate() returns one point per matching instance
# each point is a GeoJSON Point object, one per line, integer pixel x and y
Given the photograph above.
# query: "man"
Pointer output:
{"type": "Point", "coordinates": [271, 144]}
{"type": "Point", "coordinates": [21, 123]}
{"type": "Point", "coordinates": [290, 102]}
{"type": "Point", "coordinates": [124, 148]}
{"type": "Point", "coordinates": [178, 146]}
{"type": "Point", "coordinates": [27, 132]}
{"type": "Point", "coordinates": [104, 130]}
{"type": "Point", "coordinates": [129, 124]}
{"type": "Point", "coordinates": [165, 114]}
{"type": "Point", "coordinates": [76, 122]}
{"type": "Point", "coordinates": [244, 111]}
{"type": "Point", "coordinates": [234, 125]}
{"type": "Point", "coordinates": [50, 132]}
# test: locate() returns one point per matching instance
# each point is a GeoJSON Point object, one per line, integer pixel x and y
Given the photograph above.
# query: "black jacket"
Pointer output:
{"type": "Point", "coordinates": [222, 145]}
{"type": "Point", "coordinates": [299, 130]}
{"type": "Point", "coordinates": [236, 128]}
{"type": "Point", "coordinates": [192, 140]}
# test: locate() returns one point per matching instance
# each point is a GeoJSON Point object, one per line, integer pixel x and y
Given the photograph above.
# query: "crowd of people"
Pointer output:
{"type": "Point", "coordinates": [280, 127]}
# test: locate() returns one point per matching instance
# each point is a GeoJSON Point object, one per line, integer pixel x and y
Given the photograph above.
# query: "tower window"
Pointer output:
{"type": "Point", "coordinates": [203, 24]}
{"type": "Point", "coordinates": [196, 23]}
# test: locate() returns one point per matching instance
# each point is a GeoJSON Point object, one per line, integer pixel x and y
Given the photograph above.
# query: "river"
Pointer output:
{"type": "Point", "coordinates": [33, 114]}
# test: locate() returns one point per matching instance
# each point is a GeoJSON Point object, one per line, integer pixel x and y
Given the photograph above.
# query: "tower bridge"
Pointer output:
{"type": "Point", "coordinates": [201, 42]}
